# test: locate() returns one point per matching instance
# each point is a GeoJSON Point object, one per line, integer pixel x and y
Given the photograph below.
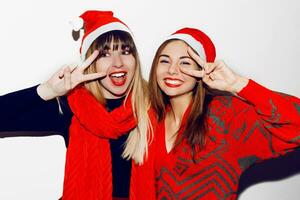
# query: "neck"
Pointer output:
{"type": "Point", "coordinates": [111, 104]}
{"type": "Point", "coordinates": [179, 104]}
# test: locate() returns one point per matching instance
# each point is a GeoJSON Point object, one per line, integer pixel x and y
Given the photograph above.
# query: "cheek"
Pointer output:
{"type": "Point", "coordinates": [160, 71]}
{"type": "Point", "coordinates": [160, 75]}
{"type": "Point", "coordinates": [102, 65]}
{"type": "Point", "coordinates": [192, 66]}
{"type": "Point", "coordinates": [133, 66]}
{"type": "Point", "coordinates": [129, 61]}
{"type": "Point", "coordinates": [190, 80]}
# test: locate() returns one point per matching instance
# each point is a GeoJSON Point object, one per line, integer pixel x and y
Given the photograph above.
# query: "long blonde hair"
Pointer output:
{"type": "Point", "coordinates": [136, 146]}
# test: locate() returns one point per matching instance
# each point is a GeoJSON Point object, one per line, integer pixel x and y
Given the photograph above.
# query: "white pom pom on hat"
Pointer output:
{"type": "Point", "coordinates": [95, 24]}
{"type": "Point", "coordinates": [76, 23]}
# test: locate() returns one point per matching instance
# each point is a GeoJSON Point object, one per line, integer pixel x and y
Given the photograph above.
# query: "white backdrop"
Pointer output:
{"type": "Point", "coordinates": [259, 39]}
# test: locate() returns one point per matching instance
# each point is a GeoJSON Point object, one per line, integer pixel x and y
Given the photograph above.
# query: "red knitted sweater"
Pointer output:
{"type": "Point", "coordinates": [264, 126]}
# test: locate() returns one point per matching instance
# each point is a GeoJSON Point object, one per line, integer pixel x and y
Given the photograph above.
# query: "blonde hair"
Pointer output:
{"type": "Point", "coordinates": [136, 146]}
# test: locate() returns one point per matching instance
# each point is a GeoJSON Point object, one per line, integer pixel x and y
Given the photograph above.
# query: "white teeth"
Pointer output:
{"type": "Point", "coordinates": [173, 82]}
{"type": "Point", "coordinates": [118, 75]}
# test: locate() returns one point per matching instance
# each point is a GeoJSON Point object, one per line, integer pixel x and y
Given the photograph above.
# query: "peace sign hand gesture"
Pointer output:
{"type": "Point", "coordinates": [67, 78]}
{"type": "Point", "coordinates": [216, 75]}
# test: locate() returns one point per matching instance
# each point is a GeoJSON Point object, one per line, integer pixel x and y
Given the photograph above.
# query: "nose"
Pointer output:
{"type": "Point", "coordinates": [173, 68]}
{"type": "Point", "coordinates": [117, 61]}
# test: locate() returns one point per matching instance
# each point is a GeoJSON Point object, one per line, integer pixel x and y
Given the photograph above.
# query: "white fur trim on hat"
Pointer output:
{"type": "Point", "coordinates": [89, 39]}
{"type": "Point", "coordinates": [196, 45]}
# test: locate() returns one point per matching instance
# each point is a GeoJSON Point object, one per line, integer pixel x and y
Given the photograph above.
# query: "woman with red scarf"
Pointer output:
{"type": "Point", "coordinates": [213, 123]}
{"type": "Point", "coordinates": [105, 121]}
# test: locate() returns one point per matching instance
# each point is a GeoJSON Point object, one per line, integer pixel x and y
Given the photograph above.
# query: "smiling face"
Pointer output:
{"type": "Point", "coordinates": [119, 64]}
{"type": "Point", "coordinates": [169, 77]}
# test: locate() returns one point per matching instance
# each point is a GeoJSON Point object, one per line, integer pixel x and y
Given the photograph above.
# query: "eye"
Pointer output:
{"type": "Point", "coordinates": [163, 61]}
{"type": "Point", "coordinates": [104, 54]}
{"type": "Point", "coordinates": [126, 51]}
{"type": "Point", "coordinates": [185, 63]}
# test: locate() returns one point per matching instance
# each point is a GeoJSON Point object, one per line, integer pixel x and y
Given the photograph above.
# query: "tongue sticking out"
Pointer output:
{"type": "Point", "coordinates": [118, 79]}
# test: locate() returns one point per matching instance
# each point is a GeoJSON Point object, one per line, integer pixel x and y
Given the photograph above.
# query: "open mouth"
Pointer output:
{"type": "Point", "coordinates": [173, 82]}
{"type": "Point", "coordinates": [118, 78]}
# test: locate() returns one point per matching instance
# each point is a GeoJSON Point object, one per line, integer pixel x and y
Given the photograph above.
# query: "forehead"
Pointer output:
{"type": "Point", "coordinates": [114, 45]}
{"type": "Point", "coordinates": [175, 48]}
{"type": "Point", "coordinates": [113, 42]}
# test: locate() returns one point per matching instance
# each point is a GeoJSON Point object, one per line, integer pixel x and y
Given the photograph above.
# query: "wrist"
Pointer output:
{"type": "Point", "coordinates": [45, 91]}
{"type": "Point", "coordinates": [238, 84]}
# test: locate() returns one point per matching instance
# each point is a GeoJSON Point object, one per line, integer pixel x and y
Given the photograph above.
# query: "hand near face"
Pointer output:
{"type": "Point", "coordinates": [67, 78]}
{"type": "Point", "coordinates": [216, 75]}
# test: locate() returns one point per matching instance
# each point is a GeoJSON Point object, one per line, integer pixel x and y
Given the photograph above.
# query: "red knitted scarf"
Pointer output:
{"type": "Point", "coordinates": [88, 170]}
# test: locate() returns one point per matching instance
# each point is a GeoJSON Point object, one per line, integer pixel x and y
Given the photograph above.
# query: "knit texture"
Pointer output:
{"type": "Point", "coordinates": [142, 182]}
{"type": "Point", "coordinates": [264, 125]}
{"type": "Point", "coordinates": [88, 170]}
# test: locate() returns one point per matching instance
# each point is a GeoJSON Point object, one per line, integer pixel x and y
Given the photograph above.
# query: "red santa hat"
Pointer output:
{"type": "Point", "coordinates": [198, 40]}
{"type": "Point", "coordinates": [96, 23]}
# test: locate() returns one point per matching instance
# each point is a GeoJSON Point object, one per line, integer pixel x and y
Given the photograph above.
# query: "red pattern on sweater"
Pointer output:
{"type": "Point", "coordinates": [266, 126]}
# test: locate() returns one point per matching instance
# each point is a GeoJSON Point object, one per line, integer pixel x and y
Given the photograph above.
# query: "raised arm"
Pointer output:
{"type": "Point", "coordinates": [40, 109]}
{"type": "Point", "coordinates": [262, 123]}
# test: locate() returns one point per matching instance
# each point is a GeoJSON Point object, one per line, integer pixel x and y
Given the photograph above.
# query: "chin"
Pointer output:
{"type": "Point", "coordinates": [176, 93]}
{"type": "Point", "coordinates": [119, 93]}
{"type": "Point", "coordinates": [112, 91]}
{"type": "Point", "coordinates": [172, 93]}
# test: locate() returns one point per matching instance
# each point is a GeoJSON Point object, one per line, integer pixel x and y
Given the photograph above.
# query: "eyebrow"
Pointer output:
{"type": "Point", "coordinates": [106, 47]}
{"type": "Point", "coordinates": [164, 55]}
{"type": "Point", "coordinates": [125, 46]}
{"type": "Point", "coordinates": [182, 57]}
{"type": "Point", "coordinates": [116, 47]}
